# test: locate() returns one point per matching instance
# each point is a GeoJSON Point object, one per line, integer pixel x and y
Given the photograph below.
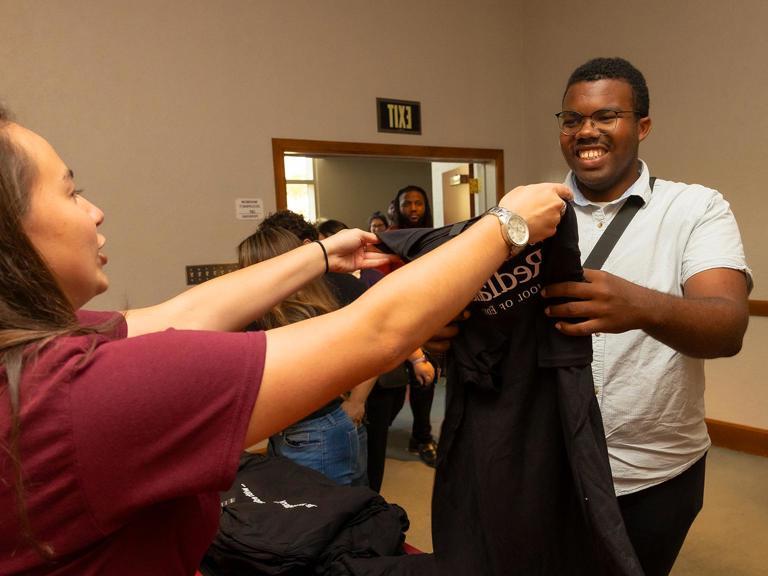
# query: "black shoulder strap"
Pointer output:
{"type": "Point", "coordinates": [615, 229]}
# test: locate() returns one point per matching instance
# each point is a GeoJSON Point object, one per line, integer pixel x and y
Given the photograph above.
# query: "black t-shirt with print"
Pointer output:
{"type": "Point", "coordinates": [523, 484]}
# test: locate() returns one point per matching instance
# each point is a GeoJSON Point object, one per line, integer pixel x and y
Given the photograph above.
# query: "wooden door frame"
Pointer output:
{"type": "Point", "coordinates": [370, 150]}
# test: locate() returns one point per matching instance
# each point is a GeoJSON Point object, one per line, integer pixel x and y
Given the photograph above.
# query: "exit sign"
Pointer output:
{"type": "Point", "coordinates": [401, 116]}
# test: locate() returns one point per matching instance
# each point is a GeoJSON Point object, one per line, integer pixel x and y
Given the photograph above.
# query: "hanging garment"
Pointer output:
{"type": "Point", "coordinates": [523, 485]}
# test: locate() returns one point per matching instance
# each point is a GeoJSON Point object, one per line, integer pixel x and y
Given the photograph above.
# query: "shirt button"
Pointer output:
{"type": "Point", "coordinates": [597, 391]}
{"type": "Point", "coordinates": [597, 334]}
{"type": "Point", "coordinates": [599, 224]}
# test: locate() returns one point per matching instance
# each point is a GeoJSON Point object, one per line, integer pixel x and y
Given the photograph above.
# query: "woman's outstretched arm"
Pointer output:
{"type": "Point", "coordinates": [233, 301]}
{"type": "Point", "coordinates": [310, 362]}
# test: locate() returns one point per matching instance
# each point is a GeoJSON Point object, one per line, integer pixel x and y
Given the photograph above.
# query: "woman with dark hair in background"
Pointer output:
{"type": "Point", "coordinates": [331, 440]}
{"type": "Point", "coordinates": [377, 222]}
{"type": "Point", "coordinates": [330, 227]}
{"type": "Point", "coordinates": [119, 429]}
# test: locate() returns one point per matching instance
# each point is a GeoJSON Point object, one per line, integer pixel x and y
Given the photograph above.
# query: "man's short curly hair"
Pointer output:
{"type": "Point", "coordinates": [614, 69]}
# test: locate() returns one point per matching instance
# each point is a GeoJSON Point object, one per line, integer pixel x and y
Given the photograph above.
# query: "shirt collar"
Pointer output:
{"type": "Point", "coordinates": [641, 187]}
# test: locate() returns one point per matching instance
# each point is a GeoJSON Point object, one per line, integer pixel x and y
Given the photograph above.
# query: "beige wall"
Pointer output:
{"type": "Point", "coordinates": [736, 387]}
{"type": "Point", "coordinates": [165, 109]}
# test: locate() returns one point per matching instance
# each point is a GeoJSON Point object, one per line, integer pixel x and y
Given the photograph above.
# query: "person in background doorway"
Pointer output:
{"type": "Point", "coordinates": [377, 222]}
{"type": "Point", "coordinates": [413, 211]}
{"type": "Point", "coordinates": [329, 227]}
{"type": "Point", "coordinates": [672, 292]}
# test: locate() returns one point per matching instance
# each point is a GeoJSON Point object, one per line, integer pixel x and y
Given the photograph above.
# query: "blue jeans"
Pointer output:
{"type": "Point", "coordinates": [330, 444]}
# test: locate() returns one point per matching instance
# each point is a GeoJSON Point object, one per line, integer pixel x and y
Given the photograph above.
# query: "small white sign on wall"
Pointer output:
{"type": "Point", "coordinates": [249, 209]}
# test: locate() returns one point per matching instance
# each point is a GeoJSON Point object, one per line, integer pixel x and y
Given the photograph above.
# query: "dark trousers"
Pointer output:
{"type": "Point", "coordinates": [381, 408]}
{"type": "Point", "coordinates": [658, 518]}
{"type": "Point", "coordinates": [420, 398]}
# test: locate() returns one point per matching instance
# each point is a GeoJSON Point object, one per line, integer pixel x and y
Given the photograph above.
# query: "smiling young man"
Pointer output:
{"type": "Point", "coordinates": [672, 292]}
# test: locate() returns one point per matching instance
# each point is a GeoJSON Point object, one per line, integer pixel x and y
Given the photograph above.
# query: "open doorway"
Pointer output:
{"type": "Point", "coordinates": [476, 177]}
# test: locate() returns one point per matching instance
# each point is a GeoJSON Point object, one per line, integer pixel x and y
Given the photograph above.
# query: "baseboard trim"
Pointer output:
{"type": "Point", "coordinates": [738, 437]}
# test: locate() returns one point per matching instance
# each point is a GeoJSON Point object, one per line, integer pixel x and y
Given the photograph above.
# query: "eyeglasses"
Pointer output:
{"type": "Point", "coordinates": [604, 120]}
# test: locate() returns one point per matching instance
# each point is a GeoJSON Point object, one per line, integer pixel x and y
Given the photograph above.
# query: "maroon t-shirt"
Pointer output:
{"type": "Point", "coordinates": [125, 443]}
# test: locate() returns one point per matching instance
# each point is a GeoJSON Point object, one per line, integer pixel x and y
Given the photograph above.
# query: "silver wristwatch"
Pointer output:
{"type": "Point", "coordinates": [514, 229]}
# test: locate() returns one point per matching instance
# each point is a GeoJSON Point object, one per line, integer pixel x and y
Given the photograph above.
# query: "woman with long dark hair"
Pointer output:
{"type": "Point", "coordinates": [377, 222]}
{"type": "Point", "coordinates": [119, 429]}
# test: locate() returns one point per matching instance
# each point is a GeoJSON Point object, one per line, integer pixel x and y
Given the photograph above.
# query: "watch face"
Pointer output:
{"type": "Point", "coordinates": [514, 227]}
{"type": "Point", "coordinates": [518, 230]}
